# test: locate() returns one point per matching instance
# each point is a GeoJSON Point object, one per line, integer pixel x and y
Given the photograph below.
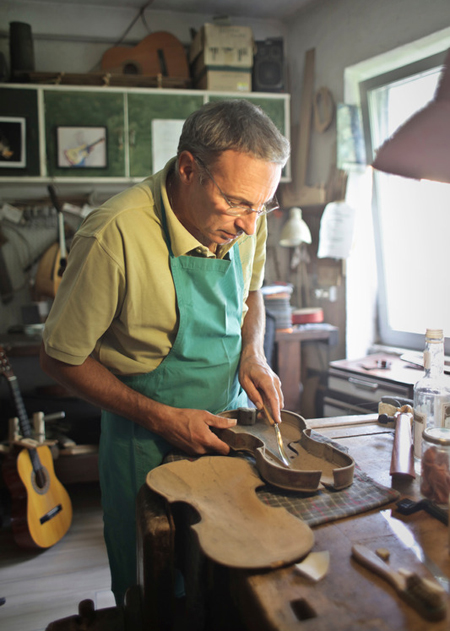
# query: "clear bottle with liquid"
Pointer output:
{"type": "Point", "coordinates": [431, 392]}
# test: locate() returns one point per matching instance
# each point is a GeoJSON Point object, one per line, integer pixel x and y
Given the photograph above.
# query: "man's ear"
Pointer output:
{"type": "Point", "coordinates": [187, 167]}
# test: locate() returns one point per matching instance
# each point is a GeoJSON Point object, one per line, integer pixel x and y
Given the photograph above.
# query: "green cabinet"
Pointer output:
{"type": "Point", "coordinates": [77, 112]}
{"type": "Point", "coordinates": [143, 109]}
{"type": "Point", "coordinates": [106, 134]}
{"type": "Point", "coordinates": [275, 108]}
{"type": "Point", "coordinates": [19, 108]}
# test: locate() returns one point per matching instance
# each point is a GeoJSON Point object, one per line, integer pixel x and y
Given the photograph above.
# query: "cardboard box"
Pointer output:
{"type": "Point", "coordinates": [224, 81]}
{"type": "Point", "coordinates": [226, 47]}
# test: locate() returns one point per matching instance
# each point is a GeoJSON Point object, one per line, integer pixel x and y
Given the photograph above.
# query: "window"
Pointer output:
{"type": "Point", "coordinates": [411, 218]}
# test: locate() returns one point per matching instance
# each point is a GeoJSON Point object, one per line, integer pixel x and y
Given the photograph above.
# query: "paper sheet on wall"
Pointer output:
{"type": "Point", "coordinates": [336, 231]}
{"type": "Point", "coordinates": [165, 136]}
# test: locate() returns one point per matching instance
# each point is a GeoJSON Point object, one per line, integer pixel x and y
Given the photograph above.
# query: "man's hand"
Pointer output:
{"type": "Point", "coordinates": [190, 431]}
{"type": "Point", "coordinates": [261, 384]}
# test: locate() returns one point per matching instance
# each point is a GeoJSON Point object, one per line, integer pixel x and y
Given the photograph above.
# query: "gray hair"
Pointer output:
{"type": "Point", "coordinates": [235, 125]}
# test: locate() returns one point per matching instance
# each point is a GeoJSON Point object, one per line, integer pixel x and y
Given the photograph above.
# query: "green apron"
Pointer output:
{"type": "Point", "coordinates": [200, 372]}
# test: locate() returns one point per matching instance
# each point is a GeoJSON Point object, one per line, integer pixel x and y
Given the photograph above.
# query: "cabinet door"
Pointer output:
{"type": "Point", "coordinates": [19, 113]}
{"type": "Point", "coordinates": [143, 109]}
{"type": "Point", "coordinates": [84, 118]}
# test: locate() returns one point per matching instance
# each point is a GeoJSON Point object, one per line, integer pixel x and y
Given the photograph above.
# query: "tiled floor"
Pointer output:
{"type": "Point", "coordinates": [40, 587]}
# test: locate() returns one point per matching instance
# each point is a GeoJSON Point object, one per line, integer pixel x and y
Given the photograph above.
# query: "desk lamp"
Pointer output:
{"type": "Point", "coordinates": [295, 231]}
{"type": "Point", "coordinates": [294, 234]}
{"type": "Point", "coordinates": [420, 148]}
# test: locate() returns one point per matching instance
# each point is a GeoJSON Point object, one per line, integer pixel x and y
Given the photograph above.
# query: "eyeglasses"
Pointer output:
{"type": "Point", "coordinates": [239, 210]}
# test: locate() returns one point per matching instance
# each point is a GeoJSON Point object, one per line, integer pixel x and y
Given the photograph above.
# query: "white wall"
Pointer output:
{"type": "Point", "coordinates": [343, 33]}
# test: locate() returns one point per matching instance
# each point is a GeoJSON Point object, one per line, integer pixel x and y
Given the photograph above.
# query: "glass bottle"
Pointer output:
{"type": "Point", "coordinates": [431, 393]}
{"type": "Point", "coordinates": [435, 471]}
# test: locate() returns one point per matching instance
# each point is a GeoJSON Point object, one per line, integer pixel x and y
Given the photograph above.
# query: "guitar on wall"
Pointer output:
{"type": "Point", "coordinates": [41, 511]}
{"type": "Point", "coordinates": [54, 261]}
{"type": "Point", "coordinates": [158, 53]}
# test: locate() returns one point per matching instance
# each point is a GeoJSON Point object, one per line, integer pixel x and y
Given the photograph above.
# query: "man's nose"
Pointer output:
{"type": "Point", "coordinates": [247, 223]}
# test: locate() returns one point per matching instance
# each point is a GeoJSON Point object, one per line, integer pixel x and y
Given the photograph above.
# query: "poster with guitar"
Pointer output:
{"type": "Point", "coordinates": [81, 147]}
{"type": "Point", "coordinates": [41, 510]}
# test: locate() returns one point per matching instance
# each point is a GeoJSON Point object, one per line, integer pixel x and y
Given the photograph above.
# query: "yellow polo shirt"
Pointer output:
{"type": "Point", "coordinates": [117, 299]}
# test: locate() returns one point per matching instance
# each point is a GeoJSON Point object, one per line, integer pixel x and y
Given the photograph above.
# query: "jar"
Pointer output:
{"type": "Point", "coordinates": [435, 467]}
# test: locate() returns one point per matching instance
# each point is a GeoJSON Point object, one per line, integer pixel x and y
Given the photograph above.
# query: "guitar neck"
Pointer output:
{"type": "Point", "coordinates": [24, 422]}
{"type": "Point", "coordinates": [25, 427]}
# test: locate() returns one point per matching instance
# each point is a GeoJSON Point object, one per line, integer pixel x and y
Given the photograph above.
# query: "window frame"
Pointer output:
{"type": "Point", "coordinates": [388, 336]}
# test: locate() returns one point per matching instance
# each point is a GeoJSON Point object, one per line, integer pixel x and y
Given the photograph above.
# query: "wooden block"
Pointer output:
{"type": "Point", "coordinates": [155, 554]}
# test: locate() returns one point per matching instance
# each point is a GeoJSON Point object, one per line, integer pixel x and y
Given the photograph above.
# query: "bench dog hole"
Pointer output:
{"type": "Point", "coordinates": [303, 609]}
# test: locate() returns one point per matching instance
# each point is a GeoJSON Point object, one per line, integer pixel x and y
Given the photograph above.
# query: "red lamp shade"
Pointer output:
{"type": "Point", "coordinates": [420, 148]}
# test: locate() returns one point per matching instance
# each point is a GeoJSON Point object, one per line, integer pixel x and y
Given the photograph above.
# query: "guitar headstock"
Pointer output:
{"type": "Point", "coordinates": [5, 366]}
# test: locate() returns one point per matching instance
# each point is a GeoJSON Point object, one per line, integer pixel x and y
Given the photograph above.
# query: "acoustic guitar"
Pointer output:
{"type": "Point", "coordinates": [159, 53]}
{"type": "Point", "coordinates": [54, 260]}
{"type": "Point", "coordinates": [41, 511]}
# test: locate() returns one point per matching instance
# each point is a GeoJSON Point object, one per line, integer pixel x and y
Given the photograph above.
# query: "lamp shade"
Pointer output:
{"type": "Point", "coordinates": [295, 231]}
{"type": "Point", "coordinates": [420, 148]}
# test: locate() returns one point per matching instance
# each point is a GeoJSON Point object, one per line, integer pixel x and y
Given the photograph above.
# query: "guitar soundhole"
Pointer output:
{"type": "Point", "coordinates": [40, 481]}
{"type": "Point", "coordinates": [130, 68]}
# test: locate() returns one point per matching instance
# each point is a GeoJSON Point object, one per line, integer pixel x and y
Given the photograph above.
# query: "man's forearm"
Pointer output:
{"type": "Point", "coordinates": [184, 428]}
{"type": "Point", "coordinates": [254, 325]}
{"type": "Point", "coordinates": [93, 382]}
{"type": "Point", "coordinates": [257, 378]}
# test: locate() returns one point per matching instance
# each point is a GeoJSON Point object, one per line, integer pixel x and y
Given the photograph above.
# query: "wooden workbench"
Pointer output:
{"type": "Point", "coordinates": [349, 598]}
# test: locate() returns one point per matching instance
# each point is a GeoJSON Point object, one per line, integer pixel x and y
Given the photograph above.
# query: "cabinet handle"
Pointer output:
{"type": "Point", "coordinates": [359, 383]}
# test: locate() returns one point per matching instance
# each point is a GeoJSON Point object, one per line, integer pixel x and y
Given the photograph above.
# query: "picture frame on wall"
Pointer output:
{"type": "Point", "coordinates": [12, 142]}
{"type": "Point", "coordinates": [80, 147]}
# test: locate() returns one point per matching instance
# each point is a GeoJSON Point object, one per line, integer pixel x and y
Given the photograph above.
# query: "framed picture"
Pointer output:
{"type": "Point", "coordinates": [12, 142]}
{"type": "Point", "coordinates": [81, 147]}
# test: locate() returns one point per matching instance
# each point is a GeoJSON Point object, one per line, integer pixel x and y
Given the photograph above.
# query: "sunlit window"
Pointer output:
{"type": "Point", "coordinates": [411, 218]}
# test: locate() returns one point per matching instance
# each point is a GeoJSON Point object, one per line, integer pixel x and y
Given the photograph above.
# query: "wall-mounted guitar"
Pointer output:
{"type": "Point", "coordinates": [159, 53]}
{"type": "Point", "coordinates": [54, 260]}
{"type": "Point", "coordinates": [41, 511]}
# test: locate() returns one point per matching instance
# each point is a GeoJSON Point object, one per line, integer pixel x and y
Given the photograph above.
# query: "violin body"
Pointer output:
{"type": "Point", "coordinates": [313, 464]}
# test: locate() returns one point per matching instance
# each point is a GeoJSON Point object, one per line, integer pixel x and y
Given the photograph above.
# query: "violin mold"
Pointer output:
{"type": "Point", "coordinates": [312, 463]}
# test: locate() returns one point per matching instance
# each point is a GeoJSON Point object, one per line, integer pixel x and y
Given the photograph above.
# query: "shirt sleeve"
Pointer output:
{"type": "Point", "coordinates": [259, 260]}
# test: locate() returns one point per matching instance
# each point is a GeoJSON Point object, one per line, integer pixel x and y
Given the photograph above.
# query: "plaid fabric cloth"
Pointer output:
{"type": "Point", "coordinates": [328, 505]}
{"type": "Point", "coordinates": [324, 505]}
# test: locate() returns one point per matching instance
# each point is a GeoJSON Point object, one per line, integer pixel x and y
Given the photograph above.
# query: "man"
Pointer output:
{"type": "Point", "coordinates": [159, 320]}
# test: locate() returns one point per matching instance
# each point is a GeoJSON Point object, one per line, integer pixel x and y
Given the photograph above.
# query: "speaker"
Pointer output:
{"type": "Point", "coordinates": [268, 68]}
{"type": "Point", "coordinates": [21, 47]}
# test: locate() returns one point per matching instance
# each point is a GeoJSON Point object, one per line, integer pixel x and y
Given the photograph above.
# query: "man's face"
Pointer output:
{"type": "Point", "coordinates": [244, 180]}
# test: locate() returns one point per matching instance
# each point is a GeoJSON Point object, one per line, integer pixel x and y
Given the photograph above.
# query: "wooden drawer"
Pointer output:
{"type": "Point", "coordinates": [366, 388]}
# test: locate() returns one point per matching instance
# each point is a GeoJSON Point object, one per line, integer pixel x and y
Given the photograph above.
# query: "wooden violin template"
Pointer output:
{"type": "Point", "coordinates": [235, 529]}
